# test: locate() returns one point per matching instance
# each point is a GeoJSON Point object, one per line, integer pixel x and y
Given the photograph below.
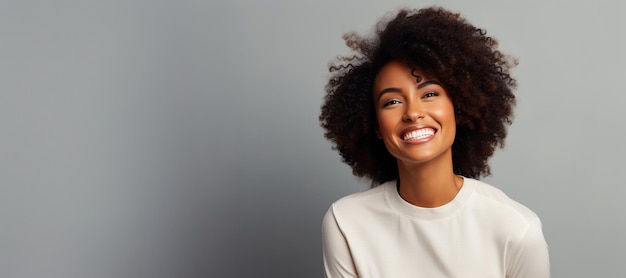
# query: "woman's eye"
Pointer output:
{"type": "Point", "coordinates": [391, 102]}
{"type": "Point", "coordinates": [431, 94]}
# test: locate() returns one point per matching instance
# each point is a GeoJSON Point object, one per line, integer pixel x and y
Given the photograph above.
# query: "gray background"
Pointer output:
{"type": "Point", "coordinates": [180, 138]}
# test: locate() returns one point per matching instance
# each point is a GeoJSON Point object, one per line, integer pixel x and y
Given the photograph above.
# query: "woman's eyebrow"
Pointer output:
{"type": "Point", "coordinates": [388, 90]}
{"type": "Point", "coordinates": [428, 82]}
{"type": "Point", "coordinates": [398, 90]}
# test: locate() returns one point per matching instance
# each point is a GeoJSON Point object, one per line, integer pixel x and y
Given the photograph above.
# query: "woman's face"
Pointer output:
{"type": "Point", "coordinates": [415, 120]}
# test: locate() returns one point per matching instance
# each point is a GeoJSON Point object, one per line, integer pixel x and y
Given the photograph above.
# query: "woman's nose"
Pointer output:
{"type": "Point", "coordinates": [413, 113]}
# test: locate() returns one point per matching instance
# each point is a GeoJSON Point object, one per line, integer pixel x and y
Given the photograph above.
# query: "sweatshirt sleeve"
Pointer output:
{"type": "Point", "coordinates": [337, 258]}
{"type": "Point", "coordinates": [527, 257]}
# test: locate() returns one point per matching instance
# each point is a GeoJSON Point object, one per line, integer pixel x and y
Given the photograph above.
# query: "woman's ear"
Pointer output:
{"type": "Point", "coordinates": [378, 134]}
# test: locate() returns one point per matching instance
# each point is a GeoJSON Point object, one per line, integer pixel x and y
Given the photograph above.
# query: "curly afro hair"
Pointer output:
{"type": "Point", "coordinates": [440, 44]}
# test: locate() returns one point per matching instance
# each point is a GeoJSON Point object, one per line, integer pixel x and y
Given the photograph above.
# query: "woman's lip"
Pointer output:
{"type": "Point", "coordinates": [414, 128]}
{"type": "Point", "coordinates": [418, 134]}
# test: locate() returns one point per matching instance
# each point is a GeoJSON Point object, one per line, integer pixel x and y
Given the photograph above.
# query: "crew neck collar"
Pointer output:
{"type": "Point", "coordinates": [396, 201]}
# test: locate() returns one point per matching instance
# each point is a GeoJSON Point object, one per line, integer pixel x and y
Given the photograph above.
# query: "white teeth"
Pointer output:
{"type": "Point", "coordinates": [419, 134]}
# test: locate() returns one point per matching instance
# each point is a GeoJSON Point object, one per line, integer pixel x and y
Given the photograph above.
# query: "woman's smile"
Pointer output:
{"type": "Point", "coordinates": [418, 134]}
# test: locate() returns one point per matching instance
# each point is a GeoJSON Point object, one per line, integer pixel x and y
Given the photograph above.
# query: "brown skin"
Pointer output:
{"type": "Point", "coordinates": [428, 186]}
{"type": "Point", "coordinates": [404, 106]}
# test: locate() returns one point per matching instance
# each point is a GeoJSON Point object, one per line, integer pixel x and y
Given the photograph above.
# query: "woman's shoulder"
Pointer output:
{"type": "Point", "coordinates": [360, 201]}
{"type": "Point", "coordinates": [496, 197]}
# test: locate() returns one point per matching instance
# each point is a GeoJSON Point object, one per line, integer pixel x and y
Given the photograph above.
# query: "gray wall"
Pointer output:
{"type": "Point", "coordinates": [180, 138]}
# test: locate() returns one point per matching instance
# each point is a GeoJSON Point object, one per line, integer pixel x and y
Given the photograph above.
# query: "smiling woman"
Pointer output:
{"type": "Point", "coordinates": [419, 110]}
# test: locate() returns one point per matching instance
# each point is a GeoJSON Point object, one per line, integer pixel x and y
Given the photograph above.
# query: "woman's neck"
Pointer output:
{"type": "Point", "coordinates": [431, 184]}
